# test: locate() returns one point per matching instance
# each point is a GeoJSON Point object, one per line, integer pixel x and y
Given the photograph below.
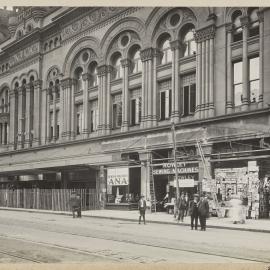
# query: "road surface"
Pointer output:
{"type": "Point", "coordinates": [48, 238]}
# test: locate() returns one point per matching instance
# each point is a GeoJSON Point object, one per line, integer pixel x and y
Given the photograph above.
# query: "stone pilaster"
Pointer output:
{"type": "Point", "coordinates": [175, 47]}
{"type": "Point", "coordinates": [245, 68]}
{"type": "Point", "coordinates": [261, 59]}
{"type": "Point", "coordinates": [37, 113]}
{"type": "Point", "coordinates": [125, 95]}
{"type": "Point", "coordinates": [85, 129]}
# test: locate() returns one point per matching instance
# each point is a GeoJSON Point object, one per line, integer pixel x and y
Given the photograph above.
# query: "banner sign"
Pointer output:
{"type": "Point", "coordinates": [209, 185]}
{"type": "Point", "coordinates": [118, 176]}
{"type": "Point", "coordinates": [182, 168]}
{"type": "Point", "coordinates": [184, 183]}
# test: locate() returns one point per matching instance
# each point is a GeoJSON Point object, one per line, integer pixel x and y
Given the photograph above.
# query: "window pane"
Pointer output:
{"type": "Point", "coordinates": [193, 47]}
{"type": "Point", "coordinates": [169, 56]}
{"type": "Point", "coordinates": [162, 105]}
{"type": "Point", "coordinates": [254, 68]}
{"type": "Point", "coordinates": [192, 98]}
{"type": "Point", "coordinates": [237, 94]}
{"type": "Point", "coordinates": [254, 91]}
{"type": "Point", "coordinates": [237, 72]}
{"type": "Point", "coordinates": [186, 100]}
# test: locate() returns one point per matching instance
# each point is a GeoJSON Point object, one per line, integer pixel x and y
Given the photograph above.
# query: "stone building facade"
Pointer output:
{"type": "Point", "coordinates": [88, 90]}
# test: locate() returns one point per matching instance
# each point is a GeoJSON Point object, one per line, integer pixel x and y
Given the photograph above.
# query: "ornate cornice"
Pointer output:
{"type": "Point", "coordinates": [147, 54]}
{"type": "Point", "coordinates": [102, 70]}
{"type": "Point", "coordinates": [205, 33]}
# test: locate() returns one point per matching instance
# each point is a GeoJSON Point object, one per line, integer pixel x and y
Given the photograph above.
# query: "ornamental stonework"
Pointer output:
{"type": "Point", "coordinates": [147, 54]}
{"type": "Point", "coordinates": [205, 34]}
{"type": "Point", "coordinates": [24, 55]}
{"type": "Point", "coordinates": [91, 19]}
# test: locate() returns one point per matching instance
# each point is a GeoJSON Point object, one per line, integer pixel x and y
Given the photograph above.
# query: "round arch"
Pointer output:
{"type": "Point", "coordinates": [126, 24]}
{"type": "Point", "coordinates": [32, 73]}
{"type": "Point", "coordinates": [230, 10]}
{"type": "Point", "coordinates": [3, 87]}
{"type": "Point", "coordinates": [84, 43]}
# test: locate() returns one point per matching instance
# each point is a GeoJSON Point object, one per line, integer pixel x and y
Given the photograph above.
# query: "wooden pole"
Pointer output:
{"type": "Point", "coordinates": [175, 161]}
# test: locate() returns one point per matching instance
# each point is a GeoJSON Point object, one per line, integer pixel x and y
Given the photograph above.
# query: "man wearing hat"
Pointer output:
{"type": "Point", "coordinates": [193, 211]}
{"type": "Point", "coordinates": [203, 209]}
{"type": "Point", "coordinates": [75, 204]}
{"type": "Point", "coordinates": [142, 208]}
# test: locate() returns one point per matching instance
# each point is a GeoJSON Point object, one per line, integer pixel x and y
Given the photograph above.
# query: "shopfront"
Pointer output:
{"type": "Point", "coordinates": [165, 182]}
{"type": "Point", "coordinates": [246, 179]}
{"type": "Point", "coordinates": [123, 187]}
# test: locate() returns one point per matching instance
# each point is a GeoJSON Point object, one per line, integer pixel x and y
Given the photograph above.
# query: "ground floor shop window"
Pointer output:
{"type": "Point", "coordinates": [123, 185]}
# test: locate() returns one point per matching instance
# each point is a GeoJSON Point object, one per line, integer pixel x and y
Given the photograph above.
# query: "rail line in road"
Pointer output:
{"type": "Point", "coordinates": [121, 259]}
{"type": "Point", "coordinates": [24, 258]}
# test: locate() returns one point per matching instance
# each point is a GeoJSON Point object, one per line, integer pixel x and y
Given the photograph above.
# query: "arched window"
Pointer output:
{"type": "Point", "coordinates": [237, 27]}
{"type": "Point", "coordinates": [166, 50]}
{"type": "Point", "coordinates": [136, 60]}
{"type": "Point", "coordinates": [57, 89]}
{"type": "Point", "coordinates": [45, 47]}
{"type": "Point", "coordinates": [78, 76]}
{"type": "Point", "coordinates": [50, 91]}
{"type": "Point", "coordinates": [188, 41]}
{"type": "Point", "coordinates": [56, 42]}
{"type": "Point", "coordinates": [51, 45]}
{"type": "Point", "coordinates": [254, 29]}
{"type": "Point", "coordinates": [116, 62]}
{"type": "Point", "coordinates": [92, 69]}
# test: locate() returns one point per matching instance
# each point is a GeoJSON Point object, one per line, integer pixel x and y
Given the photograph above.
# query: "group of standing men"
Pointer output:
{"type": "Point", "coordinates": [197, 208]}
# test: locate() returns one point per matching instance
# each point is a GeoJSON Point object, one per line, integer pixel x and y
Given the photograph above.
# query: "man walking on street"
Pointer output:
{"type": "Point", "coordinates": [203, 209]}
{"type": "Point", "coordinates": [182, 206]}
{"type": "Point", "coordinates": [74, 204]}
{"type": "Point", "coordinates": [142, 208]}
{"type": "Point", "coordinates": [193, 211]}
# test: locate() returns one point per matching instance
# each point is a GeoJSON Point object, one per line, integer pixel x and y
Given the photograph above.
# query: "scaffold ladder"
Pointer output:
{"type": "Point", "coordinates": [152, 189]}
{"type": "Point", "coordinates": [208, 177]}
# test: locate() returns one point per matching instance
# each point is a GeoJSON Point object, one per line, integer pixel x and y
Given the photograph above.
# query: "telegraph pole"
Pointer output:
{"type": "Point", "coordinates": [175, 161]}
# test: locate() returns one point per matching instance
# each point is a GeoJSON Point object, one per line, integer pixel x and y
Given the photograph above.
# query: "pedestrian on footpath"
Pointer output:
{"type": "Point", "coordinates": [142, 208]}
{"type": "Point", "coordinates": [193, 211]}
{"type": "Point", "coordinates": [182, 206]}
{"type": "Point", "coordinates": [75, 204]}
{"type": "Point", "coordinates": [203, 209]}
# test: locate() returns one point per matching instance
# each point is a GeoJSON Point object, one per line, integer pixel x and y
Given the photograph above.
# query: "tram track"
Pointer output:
{"type": "Point", "coordinates": [24, 258]}
{"type": "Point", "coordinates": [215, 254]}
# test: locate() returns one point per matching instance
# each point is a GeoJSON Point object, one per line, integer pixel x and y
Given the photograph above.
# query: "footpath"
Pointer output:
{"type": "Point", "coordinates": [260, 225]}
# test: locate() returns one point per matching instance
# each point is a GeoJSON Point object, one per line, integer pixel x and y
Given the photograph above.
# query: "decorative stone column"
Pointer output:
{"type": "Point", "coordinates": [21, 117]}
{"type": "Point", "coordinates": [13, 120]}
{"type": "Point", "coordinates": [145, 158]}
{"type": "Point", "coordinates": [37, 112]}
{"type": "Point", "coordinates": [85, 131]}
{"type": "Point", "coordinates": [48, 128]}
{"type": "Point", "coordinates": [261, 59]}
{"type": "Point", "coordinates": [125, 95]}
{"type": "Point", "coordinates": [102, 99]}
{"type": "Point", "coordinates": [245, 68]}
{"type": "Point", "coordinates": [72, 110]}
{"type": "Point", "coordinates": [44, 115]}
{"type": "Point", "coordinates": [108, 109]}
{"type": "Point", "coordinates": [156, 55]}
{"type": "Point", "coordinates": [175, 47]}
{"type": "Point", "coordinates": [28, 119]}
{"type": "Point", "coordinates": [102, 187]}
{"type": "Point", "coordinates": [147, 87]}
{"type": "Point", "coordinates": [205, 72]}
{"type": "Point", "coordinates": [229, 82]}
{"type": "Point", "coordinates": [54, 114]}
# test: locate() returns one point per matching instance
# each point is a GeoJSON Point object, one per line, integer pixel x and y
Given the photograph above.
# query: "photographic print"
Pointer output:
{"type": "Point", "coordinates": [134, 135]}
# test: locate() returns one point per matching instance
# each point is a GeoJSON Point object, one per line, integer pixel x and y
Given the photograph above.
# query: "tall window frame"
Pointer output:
{"type": "Point", "coordinates": [254, 79]}
{"type": "Point", "coordinates": [117, 111]}
{"type": "Point", "coordinates": [188, 93]}
{"type": "Point", "coordinates": [237, 82]}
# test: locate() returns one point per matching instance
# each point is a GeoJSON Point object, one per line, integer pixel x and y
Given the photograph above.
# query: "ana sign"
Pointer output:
{"type": "Point", "coordinates": [118, 176]}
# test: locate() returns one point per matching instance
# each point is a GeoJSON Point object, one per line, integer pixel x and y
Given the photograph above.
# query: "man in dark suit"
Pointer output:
{"type": "Point", "coordinates": [142, 208]}
{"type": "Point", "coordinates": [193, 211]}
{"type": "Point", "coordinates": [203, 209]}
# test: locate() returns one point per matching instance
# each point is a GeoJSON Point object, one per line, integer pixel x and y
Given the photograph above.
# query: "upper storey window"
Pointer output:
{"type": "Point", "coordinates": [93, 74]}
{"type": "Point", "coordinates": [237, 27]}
{"type": "Point", "coordinates": [166, 50]}
{"type": "Point", "coordinates": [136, 60]}
{"type": "Point", "coordinates": [254, 22]}
{"type": "Point", "coordinates": [116, 62]}
{"type": "Point", "coordinates": [188, 41]}
{"type": "Point", "coordinates": [78, 76]}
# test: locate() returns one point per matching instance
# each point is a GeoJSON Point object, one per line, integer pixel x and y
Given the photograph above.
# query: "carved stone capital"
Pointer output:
{"type": "Point", "coordinates": [66, 82]}
{"type": "Point", "coordinates": [244, 21]}
{"type": "Point", "coordinates": [147, 54]}
{"type": "Point", "coordinates": [102, 70]}
{"type": "Point", "coordinates": [38, 83]}
{"type": "Point", "coordinates": [229, 27]}
{"type": "Point", "coordinates": [205, 33]}
{"type": "Point", "coordinates": [260, 15]}
{"type": "Point", "coordinates": [125, 62]}
{"type": "Point", "coordinates": [175, 45]}
{"type": "Point", "coordinates": [85, 77]}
